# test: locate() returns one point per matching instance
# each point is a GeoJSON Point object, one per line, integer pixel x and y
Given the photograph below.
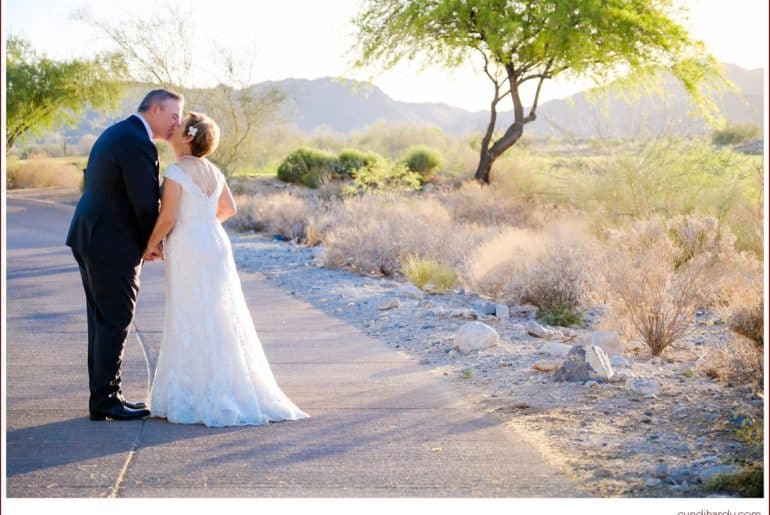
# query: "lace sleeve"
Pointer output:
{"type": "Point", "coordinates": [173, 172]}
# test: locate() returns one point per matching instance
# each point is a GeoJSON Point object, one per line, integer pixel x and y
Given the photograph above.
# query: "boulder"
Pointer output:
{"type": "Point", "coordinates": [475, 335]}
{"type": "Point", "coordinates": [609, 341]}
{"type": "Point", "coordinates": [585, 362]}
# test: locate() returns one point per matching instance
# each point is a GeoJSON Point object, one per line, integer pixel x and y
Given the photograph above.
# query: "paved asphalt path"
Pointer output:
{"type": "Point", "coordinates": [378, 419]}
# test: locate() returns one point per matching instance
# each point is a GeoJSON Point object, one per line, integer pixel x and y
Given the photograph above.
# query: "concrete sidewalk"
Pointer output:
{"type": "Point", "coordinates": [380, 424]}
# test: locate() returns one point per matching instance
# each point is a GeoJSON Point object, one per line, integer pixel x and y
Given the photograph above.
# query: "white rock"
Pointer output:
{"type": "Point", "coordinates": [643, 386]}
{"type": "Point", "coordinates": [609, 341]}
{"type": "Point", "coordinates": [389, 304]}
{"type": "Point", "coordinates": [591, 384]}
{"type": "Point", "coordinates": [618, 361]}
{"type": "Point", "coordinates": [546, 365]}
{"type": "Point", "coordinates": [475, 335]}
{"type": "Point", "coordinates": [535, 329]}
{"type": "Point", "coordinates": [502, 312]}
{"type": "Point", "coordinates": [411, 291]}
{"type": "Point", "coordinates": [584, 363]}
{"type": "Point", "coordinates": [556, 349]}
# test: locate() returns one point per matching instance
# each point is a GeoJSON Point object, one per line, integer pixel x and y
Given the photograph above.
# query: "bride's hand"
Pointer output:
{"type": "Point", "coordinates": [153, 253]}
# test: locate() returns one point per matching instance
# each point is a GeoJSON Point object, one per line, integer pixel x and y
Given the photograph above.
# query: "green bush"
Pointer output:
{"type": "Point", "coordinates": [350, 160]}
{"type": "Point", "coordinates": [384, 176]}
{"type": "Point", "coordinates": [734, 134]}
{"type": "Point", "coordinates": [749, 482]}
{"type": "Point", "coordinates": [563, 316]}
{"type": "Point", "coordinates": [422, 160]}
{"type": "Point", "coordinates": [307, 166]}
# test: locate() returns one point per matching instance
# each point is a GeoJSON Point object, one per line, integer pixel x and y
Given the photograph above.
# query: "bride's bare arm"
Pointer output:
{"type": "Point", "coordinates": [225, 205]}
{"type": "Point", "coordinates": [169, 207]}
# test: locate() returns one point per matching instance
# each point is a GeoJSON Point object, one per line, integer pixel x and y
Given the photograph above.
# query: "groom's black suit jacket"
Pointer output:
{"type": "Point", "coordinates": [119, 207]}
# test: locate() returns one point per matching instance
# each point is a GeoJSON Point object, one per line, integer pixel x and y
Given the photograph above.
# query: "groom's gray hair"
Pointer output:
{"type": "Point", "coordinates": [158, 96]}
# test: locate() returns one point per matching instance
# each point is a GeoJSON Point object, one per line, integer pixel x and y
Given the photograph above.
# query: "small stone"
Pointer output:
{"type": "Point", "coordinates": [546, 366]}
{"type": "Point", "coordinates": [653, 482]}
{"type": "Point", "coordinates": [591, 384]}
{"type": "Point", "coordinates": [438, 311]}
{"type": "Point", "coordinates": [521, 405]}
{"type": "Point", "coordinates": [484, 306]}
{"type": "Point", "coordinates": [643, 386]}
{"type": "Point", "coordinates": [535, 329]}
{"type": "Point", "coordinates": [719, 470]}
{"type": "Point", "coordinates": [389, 304]}
{"type": "Point", "coordinates": [525, 310]}
{"type": "Point", "coordinates": [502, 312]}
{"type": "Point", "coordinates": [660, 470]}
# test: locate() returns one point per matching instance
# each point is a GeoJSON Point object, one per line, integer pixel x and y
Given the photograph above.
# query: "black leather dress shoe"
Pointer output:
{"type": "Point", "coordinates": [120, 413]}
{"type": "Point", "coordinates": [134, 405]}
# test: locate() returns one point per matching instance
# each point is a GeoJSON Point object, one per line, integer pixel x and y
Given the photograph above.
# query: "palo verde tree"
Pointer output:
{"type": "Point", "coordinates": [530, 41]}
{"type": "Point", "coordinates": [42, 93]}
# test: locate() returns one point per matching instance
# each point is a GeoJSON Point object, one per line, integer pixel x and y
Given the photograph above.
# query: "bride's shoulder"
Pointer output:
{"type": "Point", "coordinates": [173, 171]}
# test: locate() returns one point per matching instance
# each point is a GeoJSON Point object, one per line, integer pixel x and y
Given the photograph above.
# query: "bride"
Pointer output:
{"type": "Point", "coordinates": [211, 368]}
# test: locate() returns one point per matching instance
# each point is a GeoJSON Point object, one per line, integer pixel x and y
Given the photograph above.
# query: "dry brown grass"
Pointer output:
{"type": "Point", "coordinates": [740, 300]}
{"type": "Point", "coordinates": [551, 268]}
{"type": "Point", "coordinates": [650, 287]}
{"type": "Point", "coordinates": [373, 234]}
{"type": "Point", "coordinates": [738, 361]}
{"type": "Point", "coordinates": [42, 172]}
{"type": "Point", "coordinates": [283, 213]}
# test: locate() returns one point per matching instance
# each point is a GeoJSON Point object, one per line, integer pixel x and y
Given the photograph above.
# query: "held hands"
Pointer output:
{"type": "Point", "coordinates": [154, 253]}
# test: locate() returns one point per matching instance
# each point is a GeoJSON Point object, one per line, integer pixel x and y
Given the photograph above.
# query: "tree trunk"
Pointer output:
{"type": "Point", "coordinates": [485, 166]}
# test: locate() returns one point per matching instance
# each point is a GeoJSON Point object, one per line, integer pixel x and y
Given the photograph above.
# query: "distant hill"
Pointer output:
{"type": "Point", "coordinates": [343, 106]}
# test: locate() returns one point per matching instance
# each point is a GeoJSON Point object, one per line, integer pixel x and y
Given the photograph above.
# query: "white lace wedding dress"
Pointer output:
{"type": "Point", "coordinates": [211, 368]}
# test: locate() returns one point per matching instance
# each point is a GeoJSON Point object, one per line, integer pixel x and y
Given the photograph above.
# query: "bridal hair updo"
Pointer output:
{"type": "Point", "coordinates": [204, 132]}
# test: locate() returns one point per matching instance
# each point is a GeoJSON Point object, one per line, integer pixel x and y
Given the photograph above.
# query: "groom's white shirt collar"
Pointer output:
{"type": "Point", "coordinates": [146, 125]}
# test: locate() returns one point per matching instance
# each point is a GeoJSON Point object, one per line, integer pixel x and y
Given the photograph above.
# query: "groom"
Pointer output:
{"type": "Point", "coordinates": [109, 231]}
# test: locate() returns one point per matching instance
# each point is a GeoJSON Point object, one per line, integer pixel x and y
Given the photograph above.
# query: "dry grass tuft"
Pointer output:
{"type": "Point", "coordinates": [42, 172]}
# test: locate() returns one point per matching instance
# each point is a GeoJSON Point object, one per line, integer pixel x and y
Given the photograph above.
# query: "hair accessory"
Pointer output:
{"type": "Point", "coordinates": [192, 131]}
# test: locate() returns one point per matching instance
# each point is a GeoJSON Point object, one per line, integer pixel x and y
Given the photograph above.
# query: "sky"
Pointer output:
{"type": "Point", "coordinates": [312, 39]}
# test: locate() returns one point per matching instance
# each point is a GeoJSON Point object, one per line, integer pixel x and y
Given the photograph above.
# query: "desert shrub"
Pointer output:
{"type": "Point", "coordinates": [422, 272]}
{"type": "Point", "coordinates": [422, 160]}
{"type": "Point", "coordinates": [734, 134]}
{"type": "Point", "coordinates": [373, 234]}
{"type": "Point", "coordinates": [647, 288]}
{"type": "Point", "coordinates": [739, 297]}
{"type": "Point", "coordinates": [736, 361]}
{"type": "Point", "coordinates": [43, 172]}
{"type": "Point", "coordinates": [384, 176]}
{"type": "Point", "coordinates": [749, 482]}
{"type": "Point", "coordinates": [350, 160]}
{"type": "Point", "coordinates": [279, 214]}
{"type": "Point", "coordinates": [307, 166]}
{"type": "Point", "coordinates": [551, 269]}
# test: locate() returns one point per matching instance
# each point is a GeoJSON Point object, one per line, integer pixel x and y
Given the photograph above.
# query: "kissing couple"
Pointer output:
{"type": "Point", "coordinates": [211, 368]}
